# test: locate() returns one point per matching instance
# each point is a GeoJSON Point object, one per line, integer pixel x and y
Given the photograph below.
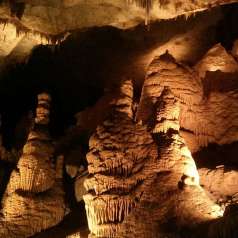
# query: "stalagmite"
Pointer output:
{"type": "Point", "coordinates": [34, 198]}
{"type": "Point", "coordinates": [37, 173]}
{"type": "Point", "coordinates": [119, 171]}
{"type": "Point", "coordinates": [125, 162]}
{"type": "Point", "coordinates": [203, 100]}
{"type": "Point", "coordinates": [175, 96]}
{"type": "Point", "coordinates": [215, 59]}
{"type": "Point", "coordinates": [172, 196]}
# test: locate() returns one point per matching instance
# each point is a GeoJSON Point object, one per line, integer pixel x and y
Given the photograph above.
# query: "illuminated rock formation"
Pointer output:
{"type": "Point", "coordinates": [76, 235]}
{"type": "Point", "coordinates": [172, 204]}
{"type": "Point", "coordinates": [216, 59]}
{"type": "Point", "coordinates": [131, 173]}
{"type": "Point", "coordinates": [221, 182]}
{"type": "Point", "coordinates": [161, 196]}
{"type": "Point", "coordinates": [119, 152]}
{"type": "Point", "coordinates": [141, 179]}
{"type": "Point", "coordinates": [53, 19]}
{"type": "Point", "coordinates": [197, 107]}
{"type": "Point", "coordinates": [34, 198]}
{"type": "Point", "coordinates": [204, 116]}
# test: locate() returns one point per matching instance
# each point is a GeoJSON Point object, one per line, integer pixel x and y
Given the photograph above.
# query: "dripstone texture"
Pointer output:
{"type": "Point", "coordinates": [139, 183]}
{"type": "Point", "coordinates": [34, 198]}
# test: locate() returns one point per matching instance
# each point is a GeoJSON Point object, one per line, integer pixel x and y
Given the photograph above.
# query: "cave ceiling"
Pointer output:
{"type": "Point", "coordinates": [57, 17]}
{"type": "Point", "coordinates": [52, 21]}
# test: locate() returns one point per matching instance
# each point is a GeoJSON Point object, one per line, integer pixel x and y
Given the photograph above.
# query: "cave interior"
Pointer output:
{"type": "Point", "coordinates": [123, 123]}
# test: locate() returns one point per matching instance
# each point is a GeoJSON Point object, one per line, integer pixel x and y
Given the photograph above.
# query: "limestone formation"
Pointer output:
{"type": "Point", "coordinates": [34, 198]}
{"type": "Point", "coordinates": [118, 152]}
{"type": "Point", "coordinates": [131, 172]}
{"type": "Point", "coordinates": [173, 201]}
{"type": "Point", "coordinates": [140, 179]}
{"type": "Point", "coordinates": [221, 182]}
{"type": "Point", "coordinates": [53, 19]}
{"type": "Point", "coordinates": [79, 188]}
{"type": "Point", "coordinates": [75, 235]}
{"type": "Point", "coordinates": [37, 173]}
{"type": "Point", "coordinates": [204, 116]}
{"type": "Point", "coordinates": [216, 59]}
{"type": "Point", "coordinates": [143, 179]}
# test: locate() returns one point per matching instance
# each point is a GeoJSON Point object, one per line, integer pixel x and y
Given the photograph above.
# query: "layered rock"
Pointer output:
{"type": "Point", "coordinates": [137, 182]}
{"type": "Point", "coordinates": [216, 59]}
{"type": "Point", "coordinates": [34, 198]}
{"type": "Point", "coordinates": [54, 18]}
{"type": "Point", "coordinates": [221, 182]}
{"type": "Point", "coordinates": [197, 110]}
{"type": "Point", "coordinates": [204, 117]}
{"type": "Point", "coordinates": [172, 204]}
{"type": "Point", "coordinates": [75, 235]}
{"type": "Point", "coordinates": [119, 152]}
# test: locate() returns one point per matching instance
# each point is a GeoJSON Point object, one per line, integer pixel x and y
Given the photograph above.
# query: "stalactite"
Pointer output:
{"type": "Point", "coordinates": [17, 8]}
{"type": "Point", "coordinates": [145, 4]}
{"type": "Point", "coordinates": [41, 37]}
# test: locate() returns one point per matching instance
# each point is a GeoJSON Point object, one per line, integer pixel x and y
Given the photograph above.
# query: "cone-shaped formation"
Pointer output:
{"type": "Point", "coordinates": [204, 115]}
{"type": "Point", "coordinates": [125, 162]}
{"type": "Point", "coordinates": [37, 173]}
{"type": "Point", "coordinates": [172, 196]}
{"type": "Point", "coordinates": [119, 149]}
{"type": "Point", "coordinates": [176, 96]}
{"type": "Point", "coordinates": [174, 154]}
{"type": "Point", "coordinates": [34, 198]}
{"type": "Point", "coordinates": [215, 59]}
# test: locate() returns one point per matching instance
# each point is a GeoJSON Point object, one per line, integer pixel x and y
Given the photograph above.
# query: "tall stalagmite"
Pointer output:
{"type": "Point", "coordinates": [137, 180]}
{"type": "Point", "coordinates": [203, 92]}
{"type": "Point", "coordinates": [34, 198]}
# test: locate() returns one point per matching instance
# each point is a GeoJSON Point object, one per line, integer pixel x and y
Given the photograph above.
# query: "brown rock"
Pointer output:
{"type": "Point", "coordinates": [34, 198]}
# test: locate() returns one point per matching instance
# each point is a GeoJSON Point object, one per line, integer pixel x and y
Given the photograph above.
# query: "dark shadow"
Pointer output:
{"type": "Point", "coordinates": [220, 82]}
{"type": "Point", "coordinates": [227, 30]}
{"type": "Point", "coordinates": [73, 222]}
{"type": "Point", "coordinates": [215, 155]}
{"type": "Point", "coordinates": [17, 8]}
{"type": "Point", "coordinates": [5, 172]}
